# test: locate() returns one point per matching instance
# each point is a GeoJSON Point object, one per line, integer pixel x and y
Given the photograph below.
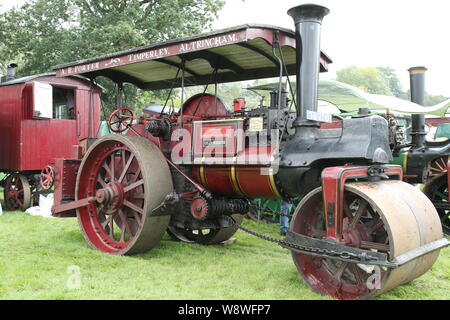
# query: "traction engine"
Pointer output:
{"type": "Point", "coordinates": [192, 172]}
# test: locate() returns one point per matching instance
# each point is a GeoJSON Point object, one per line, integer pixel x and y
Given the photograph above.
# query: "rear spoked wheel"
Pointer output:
{"type": "Point", "coordinates": [389, 216]}
{"type": "Point", "coordinates": [129, 178]}
{"type": "Point", "coordinates": [17, 192]}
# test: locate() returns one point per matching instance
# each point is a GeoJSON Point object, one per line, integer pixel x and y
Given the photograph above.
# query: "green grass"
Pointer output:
{"type": "Point", "coordinates": [36, 252]}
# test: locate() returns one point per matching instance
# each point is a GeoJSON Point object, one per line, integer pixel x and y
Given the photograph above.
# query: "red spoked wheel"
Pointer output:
{"type": "Point", "coordinates": [47, 177]}
{"type": "Point", "coordinates": [120, 120]}
{"type": "Point", "coordinates": [129, 177]}
{"type": "Point", "coordinates": [438, 167]}
{"type": "Point", "coordinates": [17, 192]}
{"type": "Point", "coordinates": [388, 216]}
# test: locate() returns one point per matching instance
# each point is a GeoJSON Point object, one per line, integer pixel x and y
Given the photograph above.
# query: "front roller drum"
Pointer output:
{"type": "Point", "coordinates": [129, 177]}
{"type": "Point", "coordinates": [386, 216]}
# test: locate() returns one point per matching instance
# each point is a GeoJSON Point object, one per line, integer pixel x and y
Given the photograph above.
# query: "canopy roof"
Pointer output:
{"type": "Point", "coordinates": [239, 53]}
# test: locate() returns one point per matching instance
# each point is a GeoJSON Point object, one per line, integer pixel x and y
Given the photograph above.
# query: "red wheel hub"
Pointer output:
{"type": "Point", "coordinates": [112, 197]}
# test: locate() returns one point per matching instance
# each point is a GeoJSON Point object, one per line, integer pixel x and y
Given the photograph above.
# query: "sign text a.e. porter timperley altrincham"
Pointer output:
{"type": "Point", "coordinates": [156, 53]}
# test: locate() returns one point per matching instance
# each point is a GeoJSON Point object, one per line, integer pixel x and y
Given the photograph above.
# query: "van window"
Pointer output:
{"type": "Point", "coordinates": [63, 103]}
{"type": "Point", "coordinates": [53, 102]}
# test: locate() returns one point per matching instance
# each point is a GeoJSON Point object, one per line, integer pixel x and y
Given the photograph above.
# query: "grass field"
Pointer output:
{"type": "Point", "coordinates": [36, 252]}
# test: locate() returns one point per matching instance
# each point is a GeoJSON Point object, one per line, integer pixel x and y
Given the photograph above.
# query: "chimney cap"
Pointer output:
{"type": "Point", "coordinates": [416, 70]}
{"type": "Point", "coordinates": [308, 12]}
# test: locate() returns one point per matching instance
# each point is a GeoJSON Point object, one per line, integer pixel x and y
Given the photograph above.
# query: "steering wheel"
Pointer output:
{"type": "Point", "coordinates": [120, 120]}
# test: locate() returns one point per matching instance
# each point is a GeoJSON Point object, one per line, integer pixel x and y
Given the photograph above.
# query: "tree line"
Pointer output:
{"type": "Point", "coordinates": [380, 80]}
{"type": "Point", "coordinates": [44, 33]}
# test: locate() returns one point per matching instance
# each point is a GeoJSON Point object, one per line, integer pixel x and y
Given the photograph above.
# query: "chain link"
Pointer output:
{"type": "Point", "coordinates": [325, 253]}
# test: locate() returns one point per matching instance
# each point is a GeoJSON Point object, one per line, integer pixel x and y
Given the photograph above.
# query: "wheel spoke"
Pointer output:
{"type": "Point", "coordinates": [375, 246]}
{"type": "Point", "coordinates": [126, 167]}
{"type": "Point", "coordinates": [108, 170]}
{"type": "Point", "coordinates": [133, 185]}
{"type": "Point", "coordinates": [113, 160]}
{"type": "Point", "coordinates": [347, 210]}
{"type": "Point", "coordinates": [111, 227]}
{"type": "Point", "coordinates": [106, 222]}
{"type": "Point", "coordinates": [133, 206]}
{"type": "Point", "coordinates": [357, 274]}
{"type": "Point", "coordinates": [137, 217]}
{"type": "Point", "coordinates": [358, 214]}
{"type": "Point", "coordinates": [439, 166]}
{"type": "Point", "coordinates": [101, 181]}
{"type": "Point", "coordinates": [340, 270]}
{"type": "Point", "coordinates": [376, 226]}
{"type": "Point", "coordinates": [125, 225]}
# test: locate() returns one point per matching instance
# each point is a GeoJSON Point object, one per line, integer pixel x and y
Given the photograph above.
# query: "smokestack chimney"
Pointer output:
{"type": "Point", "coordinates": [308, 22]}
{"type": "Point", "coordinates": [417, 88]}
{"type": "Point", "coordinates": [10, 72]}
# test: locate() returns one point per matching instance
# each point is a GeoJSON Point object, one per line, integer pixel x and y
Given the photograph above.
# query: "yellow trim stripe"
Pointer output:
{"type": "Point", "coordinates": [405, 162]}
{"type": "Point", "coordinates": [235, 182]}
{"type": "Point", "coordinates": [202, 176]}
{"type": "Point", "coordinates": [272, 184]}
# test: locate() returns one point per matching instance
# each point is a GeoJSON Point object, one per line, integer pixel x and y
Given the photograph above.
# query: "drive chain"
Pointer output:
{"type": "Point", "coordinates": [325, 253]}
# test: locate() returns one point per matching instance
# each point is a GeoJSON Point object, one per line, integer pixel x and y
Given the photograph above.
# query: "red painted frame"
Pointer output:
{"type": "Point", "coordinates": [333, 184]}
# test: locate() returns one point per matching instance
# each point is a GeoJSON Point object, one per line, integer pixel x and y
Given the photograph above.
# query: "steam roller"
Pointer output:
{"type": "Point", "coordinates": [359, 230]}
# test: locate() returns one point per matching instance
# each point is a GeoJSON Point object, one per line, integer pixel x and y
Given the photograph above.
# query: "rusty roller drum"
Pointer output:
{"type": "Point", "coordinates": [386, 216]}
{"type": "Point", "coordinates": [133, 177]}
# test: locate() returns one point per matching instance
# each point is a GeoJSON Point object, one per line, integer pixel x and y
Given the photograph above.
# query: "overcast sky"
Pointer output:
{"type": "Point", "coordinates": [395, 33]}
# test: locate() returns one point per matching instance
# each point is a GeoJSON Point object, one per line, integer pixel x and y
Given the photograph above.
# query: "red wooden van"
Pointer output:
{"type": "Point", "coordinates": [42, 118]}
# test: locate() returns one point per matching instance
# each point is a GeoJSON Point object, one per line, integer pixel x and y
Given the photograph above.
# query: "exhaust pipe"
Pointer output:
{"type": "Point", "coordinates": [10, 73]}
{"type": "Point", "coordinates": [417, 88]}
{"type": "Point", "coordinates": [308, 21]}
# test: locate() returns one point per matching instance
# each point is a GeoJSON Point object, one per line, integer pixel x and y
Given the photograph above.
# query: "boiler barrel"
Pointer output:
{"type": "Point", "coordinates": [240, 181]}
